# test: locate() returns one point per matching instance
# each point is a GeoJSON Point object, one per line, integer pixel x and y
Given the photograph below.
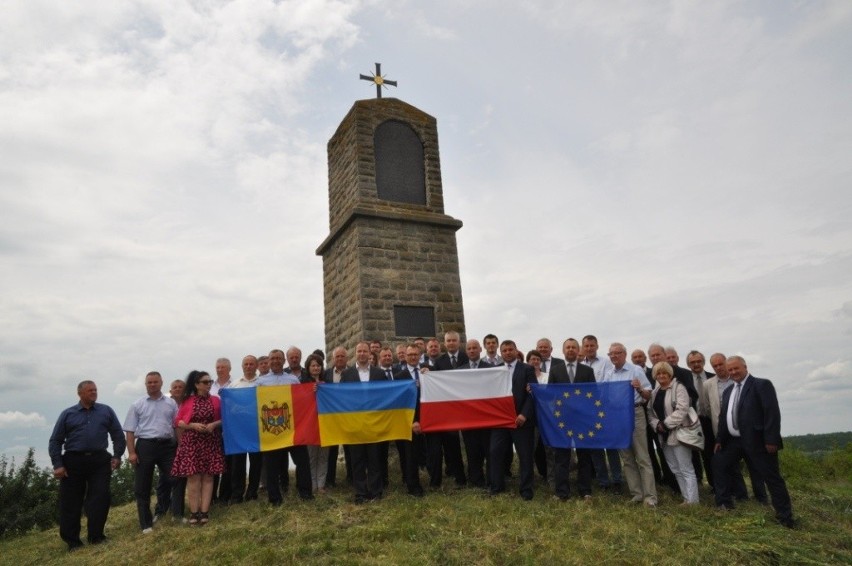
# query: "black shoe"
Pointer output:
{"type": "Point", "coordinates": [789, 523]}
{"type": "Point", "coordinates": [416, 492]}
{"type": "Point", "coordinates": [527, 496]}
{"type": "Point", "coordinates": [77, 545]}
{"type": "Point", "coordinates": [98, 540]}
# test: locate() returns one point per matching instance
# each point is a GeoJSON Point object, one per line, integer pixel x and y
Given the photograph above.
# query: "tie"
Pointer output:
{"type": "Point", "coordinates": [389, 374]}
{"type": "Point", "coordinates": [416, 374]}
{"type": "Point", "coordinates": [453, 360]}
{"type": "Point", "coordinates": [571, 371]}
{"type": "Point", "coordinates": [544, 366]}
{"type": "Point", "coordinates": [472, 365]}
{"type": "Point", "coordinates": [734, 402]}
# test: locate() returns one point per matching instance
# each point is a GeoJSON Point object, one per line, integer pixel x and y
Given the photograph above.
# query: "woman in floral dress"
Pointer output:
{"type": "Point", "coordinates": [199, 455]}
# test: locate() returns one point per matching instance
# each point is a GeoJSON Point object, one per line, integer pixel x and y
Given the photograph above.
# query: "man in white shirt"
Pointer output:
{"type": "Point", "coordinates": [238, 461]}
{"type": "Point", "coordinates": [608, 477]}
{"type": "Point", "coordinates": [149, 428]}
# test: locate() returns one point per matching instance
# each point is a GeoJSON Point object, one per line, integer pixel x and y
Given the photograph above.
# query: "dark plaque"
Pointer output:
{"type": "Point", "coordinates": [400, 173]}
{"type": "Point", "coordinates": [414, 321]}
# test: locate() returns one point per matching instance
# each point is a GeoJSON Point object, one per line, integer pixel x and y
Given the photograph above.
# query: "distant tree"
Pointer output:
{"type": "Point", "coordinates": [27, 496]}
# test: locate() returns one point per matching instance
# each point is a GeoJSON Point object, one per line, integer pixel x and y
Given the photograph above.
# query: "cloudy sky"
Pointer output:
{"type": "Point", "coordinates": [644, 171]}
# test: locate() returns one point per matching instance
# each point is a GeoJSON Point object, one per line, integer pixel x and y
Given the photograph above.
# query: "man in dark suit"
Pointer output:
{"type": "Point", "coordinates": [523, 436]}
{"type": "Point", "coordinates": [446, 446]}
{"type": "Point", "coordinates": [409, 449]}
{"type": "Point", "coordinates": [386, 365]}
{"type": "Point", "coordinates": [366, 458]}
{"type": "Point", "coordinates": [750, 427]}
{"type": "Point", "coordinates": [702, 459]}
{"type": "Point", "coordinates": [572, 372]}
{"type": "Point", "coordinates": [544, 458]}
{"type": "Point", "coordinates": [477, 442]}
{"type": "Point", "coordinates": [433, 352]}
{"type": "Point", "coordinates": [339, 357]}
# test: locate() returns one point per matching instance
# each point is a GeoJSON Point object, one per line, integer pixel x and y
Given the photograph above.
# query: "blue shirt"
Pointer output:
{"type": "Point", "coordinates": [629, 372]}
{"type": "Point", "coordinates": [151, 418]}
{"type": "Point", "coordinates": [86, 430]}
{"type": "Point", "coordinates": [277, 379]}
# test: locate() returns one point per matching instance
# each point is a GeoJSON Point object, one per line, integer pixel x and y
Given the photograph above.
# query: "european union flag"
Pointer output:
{"type": "Point", "coordinates": [585, 415]}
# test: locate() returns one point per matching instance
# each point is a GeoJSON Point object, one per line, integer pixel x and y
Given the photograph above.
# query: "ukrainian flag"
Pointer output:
{"type": "Point", "coordinates": [257, 419]}
{"type": "Point", "coordinates": [360, 413]}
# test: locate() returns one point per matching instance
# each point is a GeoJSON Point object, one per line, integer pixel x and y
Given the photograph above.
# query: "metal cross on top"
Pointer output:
{"type": "Point", "coordinates": [379, 80]}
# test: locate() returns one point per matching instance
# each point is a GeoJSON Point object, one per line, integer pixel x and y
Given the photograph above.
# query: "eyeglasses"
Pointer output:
{"type": "Point", "coordinates": [205, 381]}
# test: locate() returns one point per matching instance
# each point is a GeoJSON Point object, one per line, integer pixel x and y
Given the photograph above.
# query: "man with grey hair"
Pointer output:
{"type": "Point", "coordinates": [85, 466]}
{"type": "Point", "coordinates": [636, 461]}
{"type": "Point", "coordinates": [750, 426]}
{"type": "Point", "coordinates": [447, 445]}
{"type": "Point", "coordinates": [709, 406]}
{"type": "Point", "coordinates": [294, 362]}
{"type": "Point", "coordinates": [696, 362]}
{"type": "Point", "coordinates": [222, 484]}
{"type": "Point", "coordinates": [339, 359]}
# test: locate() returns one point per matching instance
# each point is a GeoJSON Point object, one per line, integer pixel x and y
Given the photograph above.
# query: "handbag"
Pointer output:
{"type": "Point", "coordinates": [689, 433]}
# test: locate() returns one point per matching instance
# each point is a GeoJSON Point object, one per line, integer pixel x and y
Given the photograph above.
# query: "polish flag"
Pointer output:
{"type": "Point", "coordinates": [463, 399]}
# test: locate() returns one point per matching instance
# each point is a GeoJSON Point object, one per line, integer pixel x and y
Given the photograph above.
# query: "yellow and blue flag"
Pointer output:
{"type": "Point", "coordinates": [257, 419]}
{"type": "Point", "coordinates": [360, 413]}
{"type": "Point", "coordinates": [585, 415]}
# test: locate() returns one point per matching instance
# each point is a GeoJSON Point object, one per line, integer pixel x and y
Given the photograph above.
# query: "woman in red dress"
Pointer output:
{"type": "Point", "coordinates": [199, 455]}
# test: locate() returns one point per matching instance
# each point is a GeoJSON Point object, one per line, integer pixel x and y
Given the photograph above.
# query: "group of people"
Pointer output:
{"type": "Point", "coordinates": [180, 434]}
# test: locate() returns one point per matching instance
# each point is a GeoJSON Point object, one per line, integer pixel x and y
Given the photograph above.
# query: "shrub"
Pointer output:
{"type": "Point", "coordinates": [27, 496]}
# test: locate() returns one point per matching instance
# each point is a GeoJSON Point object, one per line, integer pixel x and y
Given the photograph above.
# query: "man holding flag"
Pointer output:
{"type": "Point", "coordinates": [572, 372]}
{"type": "Point", "coordinates": [276, 461]}
{"type": "Point", "coordinates": [523, 436]}
{"type": "Point", "coordinates": [366, 458]}
{"type": "Point", "coordinates": [637, 462]}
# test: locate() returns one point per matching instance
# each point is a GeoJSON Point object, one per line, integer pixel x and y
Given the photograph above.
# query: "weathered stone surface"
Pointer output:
{"type": "Point", "coordinates": [380, 254]}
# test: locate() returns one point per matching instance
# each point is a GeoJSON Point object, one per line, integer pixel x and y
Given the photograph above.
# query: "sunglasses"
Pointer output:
{"type": "Point", "coordinates": [205, 381]}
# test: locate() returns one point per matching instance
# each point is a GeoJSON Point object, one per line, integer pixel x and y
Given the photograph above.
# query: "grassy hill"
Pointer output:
{"type": "Point", "coordinates": [465, 526]}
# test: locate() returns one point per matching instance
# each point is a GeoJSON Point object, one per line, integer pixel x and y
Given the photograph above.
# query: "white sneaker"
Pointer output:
{"type": "Point", "coordinates": [147, 531]}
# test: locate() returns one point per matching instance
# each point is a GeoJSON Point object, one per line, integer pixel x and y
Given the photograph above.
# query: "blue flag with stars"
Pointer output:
{"type": "Point", "coordinates": [585, 415]}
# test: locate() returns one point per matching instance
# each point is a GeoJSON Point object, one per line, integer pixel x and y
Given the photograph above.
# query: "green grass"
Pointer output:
{"type": "Point", "coordinates": [465, 526]}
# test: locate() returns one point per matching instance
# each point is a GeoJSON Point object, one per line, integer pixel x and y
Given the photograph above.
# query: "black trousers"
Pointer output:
{"type": "Point", "coordinates": [445, 446]}
{"type": "Point", "coordinates": [152, 454]}
{"type": "Point", "coordinates": [238, 476]}
{"type": "Point", "coordinates": [477, 445]}
{"type": "Point", "coordinates": [764, 463]}
{"type": "Point", "coordinates": [178, 496]}
{"type": "Point", "coordinates": [277, 464]}
{"type": "Point", "coordinates": [366, 470]}
{"type": "Point", "coordinates": [561, 474]}
{"type": "Point", "coordinates": [384, 455]}
{"type": "Point", "coordinates": [502, 440]}
{"type": "Point", "coordinates": [411, 475]}
{"type": "Point", "coordinates": [87, 486]}
{"type": "Point", "coordinates": [331, 474]}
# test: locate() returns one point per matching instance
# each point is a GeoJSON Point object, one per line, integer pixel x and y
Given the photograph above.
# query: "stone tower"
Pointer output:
{"type": "Point", "coordinates": [390, 262]}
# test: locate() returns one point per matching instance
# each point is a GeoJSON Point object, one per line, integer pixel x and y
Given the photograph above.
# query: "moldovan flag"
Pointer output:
{"type": "Point", "coordinates": [257, 419]}
{"type": "Point", "coordinates": [360, 413]}
{"type": "Point", "coordinates": [464, 399]}
{"type": "Point", "coordinates": [585, 415]}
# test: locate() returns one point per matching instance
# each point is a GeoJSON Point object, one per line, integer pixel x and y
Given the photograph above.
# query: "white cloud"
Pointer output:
{"type": "Point", "coordinates": [18, 420]}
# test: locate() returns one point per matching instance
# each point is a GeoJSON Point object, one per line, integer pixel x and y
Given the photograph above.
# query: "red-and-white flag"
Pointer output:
{"type": "Point", "coordinates": [465, 399]}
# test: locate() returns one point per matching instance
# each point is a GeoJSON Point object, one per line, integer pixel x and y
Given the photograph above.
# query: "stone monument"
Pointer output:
{"type": "Point", "coordinates": [390, 261]}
